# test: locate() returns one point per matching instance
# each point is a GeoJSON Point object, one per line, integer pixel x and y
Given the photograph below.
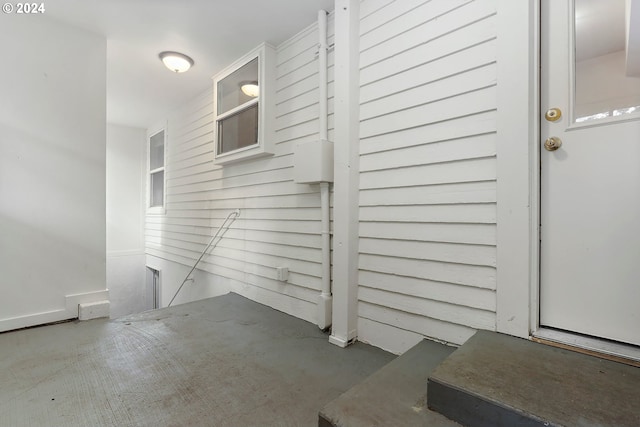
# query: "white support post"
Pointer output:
{"type": "Point", "coordinates": [346, 172]}
{"type": "Point", "coordinates": [517, 186]}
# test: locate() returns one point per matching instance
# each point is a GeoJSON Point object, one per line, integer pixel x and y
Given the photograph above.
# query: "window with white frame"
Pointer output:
{"type": "Point", "coordinates": [243, 107]}
{"type": "Point", "coordinates": [156, 170]}
{"type": "Point", "coordinates": [238, 106]}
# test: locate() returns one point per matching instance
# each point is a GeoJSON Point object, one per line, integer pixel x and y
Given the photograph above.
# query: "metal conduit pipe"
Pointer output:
{"type": "Point", "coordinates": [325, 299]}
{"type": "Point", "coordinates": [322, 74]}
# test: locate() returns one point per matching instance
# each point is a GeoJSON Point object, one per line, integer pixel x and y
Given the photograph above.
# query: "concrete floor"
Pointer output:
{"type": "Point", "coordinates": [498, 380]}
{"type": "Point", "coordinates": [224, 361]}
{"type": "Point", "coordinates": [395, 395]}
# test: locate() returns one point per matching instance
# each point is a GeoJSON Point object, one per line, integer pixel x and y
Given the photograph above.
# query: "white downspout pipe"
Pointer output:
{"type": "Point", "coordinates": [325, 299]}
{"type": "Point", "coordinates": [322, 74]}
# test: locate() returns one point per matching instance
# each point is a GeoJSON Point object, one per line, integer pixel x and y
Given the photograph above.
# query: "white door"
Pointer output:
{"type": "Point", "coordinates": [590, 186]}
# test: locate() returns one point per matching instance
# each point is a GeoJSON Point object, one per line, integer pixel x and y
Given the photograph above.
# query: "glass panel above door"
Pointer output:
{"type": "Point", "coordinates": [607, 83]}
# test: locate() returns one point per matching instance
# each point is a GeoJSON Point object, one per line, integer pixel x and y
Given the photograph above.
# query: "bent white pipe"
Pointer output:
{"type": "Point", "coordinates": [223, 228]}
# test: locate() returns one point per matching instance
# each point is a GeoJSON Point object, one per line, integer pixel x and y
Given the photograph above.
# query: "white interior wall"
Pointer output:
{"type": "Point", "coordinates": [125, 220]}
{"type": "Point", "coordinates": [52, 170]}
{"type": "Point", "coordinates": [603, 86]}
{"type": "Point", "coordinates": [279, 224]}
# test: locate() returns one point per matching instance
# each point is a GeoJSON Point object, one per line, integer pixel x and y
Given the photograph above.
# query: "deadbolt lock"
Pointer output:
{"type": "Point", "coordinates": [552, 144]}
{"type": "Point", "coordinates": [553, 114]}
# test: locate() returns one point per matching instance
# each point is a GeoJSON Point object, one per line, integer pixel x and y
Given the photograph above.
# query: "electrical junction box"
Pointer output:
{"type": "Point", "coordinates": [313, 162]}
{"type": "Point", "coordinates": [282, 273]}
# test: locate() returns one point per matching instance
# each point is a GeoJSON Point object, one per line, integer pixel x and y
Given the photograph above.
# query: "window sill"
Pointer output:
{"type": "Point", "coordinates": [156, 210]}
{"type": "Point", "coordinates": [251, 152]}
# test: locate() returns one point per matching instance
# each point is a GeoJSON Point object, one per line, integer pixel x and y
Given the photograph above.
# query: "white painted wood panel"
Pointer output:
{"type": "Point", "coordinates": [190, 162]}
{"type": "Point", "coordinates": [471, 123]}
{"type": "Point", "coordinates": [296, 240]}
{"type": "Point", "coordinates": [440, 173]}
{"type": "Point", "coordinates": [200, 174]}
{"type": "Point", "coordinates": [475, 213]}
{"type": "Point", "coordinates": [470, 68]}
{"type": "Point", "coordinates": [436, 251]}
{"type": "Point", "coordinates": [408, 14]}
{"type": "Point", "coordinates": [468, 192]}
{"type": "Point", "coordinates": [473, 147]}
{"type": "Point", "coordinates": [460, 274]}
{"type": "Point", "coordinates": [257, 190]}
{"type": "Point", "coordinates": [193, 143]}
{"type": "Point", "coordinates": [427, 171]}
{"type": "Point", "coordinates": [460, 315]}
{"type": "Point", "coordinates": [304, 71]}
{"type": "Point", "coordinates": [298, 88]}
{"type": "Point", "coordinates": [304, 100]}
{"type": "Point", "coordinates": [305, 200]}
{"type": "Point", "coordinates": [483, 234]}
{"type": "Point", "coordinates": [231, 268]}
{"type": "Point", "coordinates": [434, 27]}
{"type": "Point", "coordinates": [423, 325]}
{"type": "Point", "coordinates": [279, 223]}
{"type": "Point", "coordinates": [369, 7]}
{"type": "Point", "coordinates": [387, 337]}
{"type": "Point", "coordinates": [483, 299]}
{"type": "Point", "coordinates": [481, 99]}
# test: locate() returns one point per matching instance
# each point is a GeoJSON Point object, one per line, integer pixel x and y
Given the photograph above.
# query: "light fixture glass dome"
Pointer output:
{"type": "Point", "coordinates": [250, 89]}
{"type": "Point", "coordinates": [176, 62]}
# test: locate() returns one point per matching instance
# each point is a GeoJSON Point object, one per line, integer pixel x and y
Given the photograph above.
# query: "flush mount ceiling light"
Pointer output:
{"type": "Point", "coordinates": [250, 88]}
{"type": "Point", "coordinates": [176, 62]}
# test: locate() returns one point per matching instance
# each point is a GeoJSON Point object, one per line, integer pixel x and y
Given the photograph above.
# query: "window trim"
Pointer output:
{"type": "Point", "coordinates": [151, 132]}
{"type": "Point", "coordinates": [265, 54]}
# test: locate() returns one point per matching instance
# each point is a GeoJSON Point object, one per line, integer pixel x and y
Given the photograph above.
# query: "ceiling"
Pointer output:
{"type": "Point", "coordinates": [600, 27]}
{"type": "Point", "coordinates": [140, 90]}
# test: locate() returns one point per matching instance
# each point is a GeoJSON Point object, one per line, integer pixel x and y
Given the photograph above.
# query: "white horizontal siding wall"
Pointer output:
{"type": "Point", "coordinates": [427, 171]}
{"type": "Point", "coordinates": [279, 224]}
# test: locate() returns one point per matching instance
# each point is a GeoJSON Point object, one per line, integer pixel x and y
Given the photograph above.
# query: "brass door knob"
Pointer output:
{"type": "Point", "coordinates": [553, 143]}
{"type": "Point", "coordinates": [553, 114]}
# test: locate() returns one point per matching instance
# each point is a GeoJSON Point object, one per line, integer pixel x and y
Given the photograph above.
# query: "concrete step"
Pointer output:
{"type": "Point", "coordinates": [497, 380]}
{"type": "Point", "coordinates": [393, 396]}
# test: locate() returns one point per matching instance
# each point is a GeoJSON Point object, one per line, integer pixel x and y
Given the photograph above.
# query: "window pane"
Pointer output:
{"type": "Point", "coordinates": [230, 94]}
{"type": "Point", "coordinates": [239, 130]}
{"type": "Point", "coordinates": [606, 83]}
{"type": "Point", "coordinates": [156, 151]}
{"type": "Point", "coordinates": [157, 189]}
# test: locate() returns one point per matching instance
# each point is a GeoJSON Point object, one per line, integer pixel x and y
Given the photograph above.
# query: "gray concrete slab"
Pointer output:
{"type": "Point", "coordinates": [224, 361]}
{"type": "Point", "coordinates": [393, 396]}
{"type": "Point", "coordinates": [498, 380]}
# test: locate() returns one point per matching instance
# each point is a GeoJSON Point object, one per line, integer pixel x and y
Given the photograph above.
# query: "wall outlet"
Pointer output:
{"type": "Point", "coordinates": [282, 273]}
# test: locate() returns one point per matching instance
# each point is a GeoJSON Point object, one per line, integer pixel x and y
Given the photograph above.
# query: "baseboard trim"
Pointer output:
{"type": "Point", "coordinates": [69, 312]}
{"type": "Point", "coordinates": [72, 302]}
{"type": "Point", "coordinates": [26, 321]}
{"type": "Point", "coordinates": [340, 342]}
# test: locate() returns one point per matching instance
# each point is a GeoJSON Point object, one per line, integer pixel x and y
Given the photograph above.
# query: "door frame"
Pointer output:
{"type": "Point", "coordinates": [518, 171]}
{"type": "Point", "coordinates": [518, 195]}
